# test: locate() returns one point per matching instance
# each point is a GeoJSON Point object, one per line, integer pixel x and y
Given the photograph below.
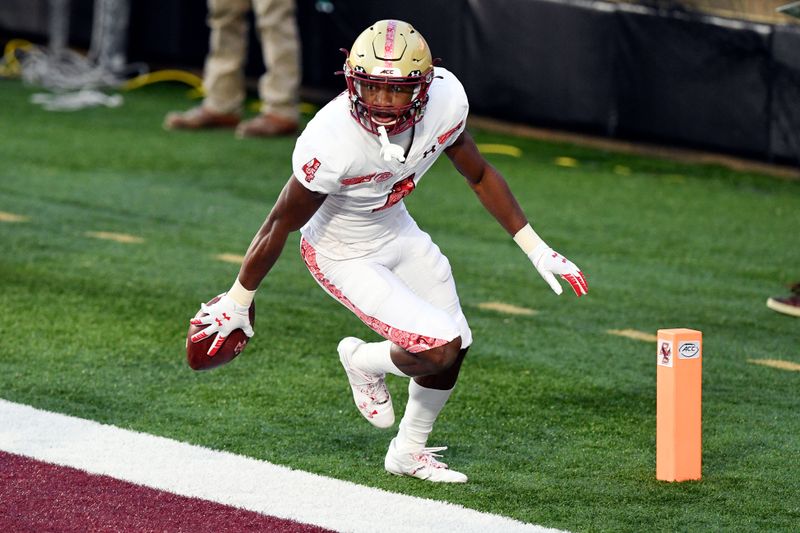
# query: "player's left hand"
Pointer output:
{"type": "Point", "coordinates": [549, 263]}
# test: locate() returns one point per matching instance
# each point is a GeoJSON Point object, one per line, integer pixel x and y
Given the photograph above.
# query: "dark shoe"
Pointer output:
{"type": "Point", "coordinates": [788, 305]}
{"type": "Point", "coordinates": [199, 118]}
{"type": "Point", "coordinates": [267, 125]}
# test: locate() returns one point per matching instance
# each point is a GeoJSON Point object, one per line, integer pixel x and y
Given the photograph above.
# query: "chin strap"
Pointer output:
{"type": "Point", "coordinates": [389, 151]}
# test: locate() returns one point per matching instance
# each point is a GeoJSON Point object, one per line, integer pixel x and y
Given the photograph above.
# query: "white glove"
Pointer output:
{"type": "Point", "coordinates": [389, 150]}
{"type": "Point", "coordinates": [222, 317]}
{"type": "Point", "coordinates": [549, 263]}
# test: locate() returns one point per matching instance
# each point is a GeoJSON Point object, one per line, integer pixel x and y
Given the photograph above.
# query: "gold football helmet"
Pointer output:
{"type": "Point", "coordinates": [388, 72]}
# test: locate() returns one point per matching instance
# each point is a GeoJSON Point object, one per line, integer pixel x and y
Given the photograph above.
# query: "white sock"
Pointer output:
{"type": "Point", "coordinates": [375, 358]}
{"type": "Point", "coordinates": [422, 409]}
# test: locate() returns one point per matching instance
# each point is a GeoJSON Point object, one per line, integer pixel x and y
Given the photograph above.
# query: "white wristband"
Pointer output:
{"type": "Point", "coordinates": [527, 239]}
{"type": "Point", "coordinates": [241, 295]}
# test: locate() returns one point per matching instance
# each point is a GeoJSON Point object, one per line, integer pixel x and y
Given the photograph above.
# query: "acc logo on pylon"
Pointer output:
{"type": "Point", "coordinates": [689, 350]}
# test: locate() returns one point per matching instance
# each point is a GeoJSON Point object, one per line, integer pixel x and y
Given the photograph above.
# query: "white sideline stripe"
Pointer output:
{"type": "Point", "coordinates": [230, 479]}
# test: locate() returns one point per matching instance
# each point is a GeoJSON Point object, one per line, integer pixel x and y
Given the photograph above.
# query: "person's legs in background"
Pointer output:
{"type": "Point", "coordinates": [279, 87]}
{"type": "Point", "coordinates": [223, 75]}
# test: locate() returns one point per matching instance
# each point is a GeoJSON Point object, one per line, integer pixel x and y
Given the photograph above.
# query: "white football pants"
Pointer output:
{"type": "Point", "coordinates": [403, 291]}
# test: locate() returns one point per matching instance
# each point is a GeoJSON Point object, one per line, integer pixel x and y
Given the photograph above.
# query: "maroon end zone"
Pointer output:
{"type": "Point", "coordinates": [39, 496]}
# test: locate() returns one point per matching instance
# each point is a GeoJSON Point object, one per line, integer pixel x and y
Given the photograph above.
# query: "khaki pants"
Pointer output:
{"type": "Point", "coordinates": [223, 78]}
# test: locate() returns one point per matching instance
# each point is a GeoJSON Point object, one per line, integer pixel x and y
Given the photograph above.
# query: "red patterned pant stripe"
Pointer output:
{"type": "Point", "coordinates": [413, 342]}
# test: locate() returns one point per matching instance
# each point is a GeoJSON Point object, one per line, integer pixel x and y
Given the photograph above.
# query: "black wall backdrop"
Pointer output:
{"type": "Point", "coordinates": [597, 67]}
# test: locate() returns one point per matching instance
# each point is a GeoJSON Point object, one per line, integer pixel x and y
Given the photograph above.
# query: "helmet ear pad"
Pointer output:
{"type": "Point", "coordinates": [389, 53]}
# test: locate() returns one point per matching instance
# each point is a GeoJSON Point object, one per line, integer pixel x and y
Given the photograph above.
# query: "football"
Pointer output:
{"type": "Point", "coordinates": [197, 352]}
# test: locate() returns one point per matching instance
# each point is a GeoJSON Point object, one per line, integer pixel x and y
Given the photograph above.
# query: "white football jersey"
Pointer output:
{"type": "Point", "coordinates": [336, 156]}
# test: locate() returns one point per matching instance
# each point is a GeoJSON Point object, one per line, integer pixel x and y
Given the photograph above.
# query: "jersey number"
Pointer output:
{"type": "Point", "coordinates": [400, 190]}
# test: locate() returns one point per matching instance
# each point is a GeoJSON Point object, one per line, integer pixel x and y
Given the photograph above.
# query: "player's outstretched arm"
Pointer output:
{"type": "Point", "coordinates": [495, 195]}
{"type": "Point", "coordinates": [294, 207]}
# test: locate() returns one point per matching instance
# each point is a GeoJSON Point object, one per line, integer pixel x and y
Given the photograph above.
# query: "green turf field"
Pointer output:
{"type": "Point", "coordinates": [553, 418]}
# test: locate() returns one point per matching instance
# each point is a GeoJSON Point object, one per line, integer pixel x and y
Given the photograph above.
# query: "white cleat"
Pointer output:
{"type": "Point", "coordinates": [369, 390]}
{"type": "Point", "coordinates": [421, 464]}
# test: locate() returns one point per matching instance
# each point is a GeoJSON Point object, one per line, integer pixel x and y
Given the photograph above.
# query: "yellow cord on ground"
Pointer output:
{"type": "Point", "coordinates": [166, 75]}
{"type": "Point", "coordinates": [10, 67]}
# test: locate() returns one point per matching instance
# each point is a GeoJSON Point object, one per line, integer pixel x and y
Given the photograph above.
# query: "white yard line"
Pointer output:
{"type": "Point", "coordinates": [776, 363]}
{"type": "Point", "coordinates": [230, 479]}
{"type": "Point", "coordinates": [124, 238]}
{"type": "Point", "coordinates": [507, 308]}
{"type": "Point", "coordinates": [633, 334]}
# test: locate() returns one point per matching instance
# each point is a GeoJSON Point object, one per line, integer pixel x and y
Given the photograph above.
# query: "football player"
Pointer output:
{"type": "Point", "coordinates": [354, 164]}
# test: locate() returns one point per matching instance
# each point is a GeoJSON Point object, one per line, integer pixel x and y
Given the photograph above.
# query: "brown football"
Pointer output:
{"type": "Point", "coordinates": [197, 352]}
